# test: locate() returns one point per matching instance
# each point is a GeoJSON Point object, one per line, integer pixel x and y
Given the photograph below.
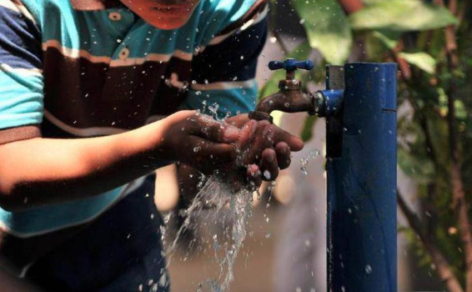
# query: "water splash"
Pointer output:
{"type": "Point", "coordinates": [304, 161]}
{"type": "Point", "coordinates": [217, 203]}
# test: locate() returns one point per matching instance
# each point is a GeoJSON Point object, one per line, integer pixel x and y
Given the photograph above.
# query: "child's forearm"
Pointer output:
{"type": "Point", "coordinates": [41, 171]}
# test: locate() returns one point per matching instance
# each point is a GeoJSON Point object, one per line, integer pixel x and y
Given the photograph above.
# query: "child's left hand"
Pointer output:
{"type": "Point", "coordinates": [264, 148]}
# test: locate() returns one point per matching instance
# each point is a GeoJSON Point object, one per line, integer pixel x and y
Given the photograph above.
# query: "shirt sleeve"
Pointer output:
{"type": "Point", "coordinates": [21, 79]}
{"type": "Point", "coordinates": [223, 72]}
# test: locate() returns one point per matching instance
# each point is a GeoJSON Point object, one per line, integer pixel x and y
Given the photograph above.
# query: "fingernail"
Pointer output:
{"type": "Point", "coordinates": [231, 134]}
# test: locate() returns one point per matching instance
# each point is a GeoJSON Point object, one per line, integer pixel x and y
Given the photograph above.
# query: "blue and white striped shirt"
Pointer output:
{"type": "Point", "coordinates": [84, 68]}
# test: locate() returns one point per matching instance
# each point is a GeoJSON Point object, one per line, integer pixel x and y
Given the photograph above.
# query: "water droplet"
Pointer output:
{"type": "Point", "coordinates": [163, 280]}
{"type": "Point", "coordinates": [368, 269]}
{"type": "Point", "coordinates": [196, 149]}
{"type": "Point", "coordinates": [267, 174]}
{"type": "Point", "coordinates": [303, 169]}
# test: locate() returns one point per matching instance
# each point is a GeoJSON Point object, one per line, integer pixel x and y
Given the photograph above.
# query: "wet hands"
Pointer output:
{"type": "Point", "coordinates": [264, 149]}
{"type": "Point", "coordinates": [239, 150]}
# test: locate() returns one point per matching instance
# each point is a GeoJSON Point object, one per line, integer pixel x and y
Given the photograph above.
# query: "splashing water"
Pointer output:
{"type": "Point", "coordinates": [304, 161]}
{"type": "Point", "coordinates": [216, 202]}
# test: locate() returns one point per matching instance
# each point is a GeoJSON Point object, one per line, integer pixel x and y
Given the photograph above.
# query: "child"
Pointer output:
{"type": "Point", "coordinates": [97, 94]}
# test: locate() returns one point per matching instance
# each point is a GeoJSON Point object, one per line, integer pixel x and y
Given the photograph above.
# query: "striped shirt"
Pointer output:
{"type": "Point", "coordinates": [84, 68]}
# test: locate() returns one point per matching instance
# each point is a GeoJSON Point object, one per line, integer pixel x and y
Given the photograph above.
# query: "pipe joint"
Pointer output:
{"type": "Point", "coordinates": [328, 102]}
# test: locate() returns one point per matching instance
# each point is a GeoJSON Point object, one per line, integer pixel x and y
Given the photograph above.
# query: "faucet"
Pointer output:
{"type": "Point", "coordinates": [291, 98]}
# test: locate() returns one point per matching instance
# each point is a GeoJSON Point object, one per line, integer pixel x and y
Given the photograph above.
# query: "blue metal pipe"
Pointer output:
{"type": "Point", "coordinates": [361, 166]}
{"type": "Point", "coordinates": [328, 102]}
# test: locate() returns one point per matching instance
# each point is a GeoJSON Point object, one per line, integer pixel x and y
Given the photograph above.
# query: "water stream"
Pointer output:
{"type": "Point", "coordinates": [216, 203]}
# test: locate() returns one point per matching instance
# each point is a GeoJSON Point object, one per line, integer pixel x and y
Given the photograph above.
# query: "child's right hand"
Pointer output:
{"type": "Point", "coordinates": [199, 141]}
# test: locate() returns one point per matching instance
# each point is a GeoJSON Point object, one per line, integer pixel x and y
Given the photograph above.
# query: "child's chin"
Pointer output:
{"type": "Point", "coordinates": [169, 24]}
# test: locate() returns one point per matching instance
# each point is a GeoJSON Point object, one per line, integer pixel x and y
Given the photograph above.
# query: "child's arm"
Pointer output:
{"type": "Point", "coordinates": [41, 171]}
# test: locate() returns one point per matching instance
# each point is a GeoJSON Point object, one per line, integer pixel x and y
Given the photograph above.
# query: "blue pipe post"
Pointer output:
{"type": "Point", "coordinates": [361, 168]}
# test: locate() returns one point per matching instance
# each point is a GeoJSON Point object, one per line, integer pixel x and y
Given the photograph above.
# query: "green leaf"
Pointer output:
{"type": "Point", "coordinates": [307, 130]}
{"type": "Point", "coordinates": [272, 85]}
{"type": "Point", "coordinates": [402, 15]}
{"type": "Point", "coordinates": [388, 38]}
{"type": "Point", "coordinates": [421, 60]}
{"type": "Point", "coordinates": [369, 2]}
{"type": "Point", "coordinates": [327, 28]}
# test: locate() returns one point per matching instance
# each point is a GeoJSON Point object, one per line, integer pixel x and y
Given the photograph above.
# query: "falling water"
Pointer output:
{"type": "Point", "coordinates": [304, 161]}
{"type": "Point", "coordinates": [216, 202]}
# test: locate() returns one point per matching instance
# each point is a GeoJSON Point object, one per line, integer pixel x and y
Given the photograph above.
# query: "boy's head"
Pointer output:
{"type": "Point", "coordinates": [163, 14]}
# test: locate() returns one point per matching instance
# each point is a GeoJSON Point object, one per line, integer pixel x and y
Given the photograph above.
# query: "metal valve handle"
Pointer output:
{"type": "Point", "coordinates": [291, 65]}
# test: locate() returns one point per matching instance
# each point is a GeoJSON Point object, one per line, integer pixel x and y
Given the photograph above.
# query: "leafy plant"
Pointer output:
{"type": "Point", "coordinates": [432, 43]}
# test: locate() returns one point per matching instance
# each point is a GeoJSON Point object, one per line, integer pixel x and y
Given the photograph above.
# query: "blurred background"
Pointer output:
{"type": "Point", "coordinates": [285, 249]}
{"type": "Point", "coordinates": [285, 246]}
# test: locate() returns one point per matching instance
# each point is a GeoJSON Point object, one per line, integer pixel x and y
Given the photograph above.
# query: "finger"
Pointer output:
{"type": "Point", "coordinates": [295, 143]}
{"type": "Point", "coordinates": [216, 131]}
{"type": "Point", "coordinates": [262, 138]}
{"type": "Point", "coordinates": [268, 165]}
{"type": "Point", "coordinates": [253, 177]}
{"type": "Point", "coordinates": [207, 153]}
{"type": "Point", "coordinates": [247, 134]}
{"type": "Point", "coordinates": [283, 155]}
{"type": "Point", "coordinates": [238, 120]}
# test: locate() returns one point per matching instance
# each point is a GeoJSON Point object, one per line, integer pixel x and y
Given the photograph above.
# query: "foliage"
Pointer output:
{"type": "Point", "coordinates": [402, 15]}
{"type": "Point", "coordinates": [412, 31]}
{"type": "Point", "coordinates": [327, 28]}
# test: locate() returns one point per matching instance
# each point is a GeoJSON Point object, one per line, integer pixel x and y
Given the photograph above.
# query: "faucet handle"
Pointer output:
{"type": "Point", "coordinates": [291, 65]}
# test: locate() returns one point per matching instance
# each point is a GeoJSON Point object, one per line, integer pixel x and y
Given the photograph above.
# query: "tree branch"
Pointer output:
{"type": "Point", "coordinates": [405, 69]}
{"type": "Point", "coordinates": [442, 265]}
{"type": "Point", "coordinates": [351, 6]}
{"type": "Point", "coordinates": [444, 270]}
{"type": "Point", "coordinates": [458, 191]}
